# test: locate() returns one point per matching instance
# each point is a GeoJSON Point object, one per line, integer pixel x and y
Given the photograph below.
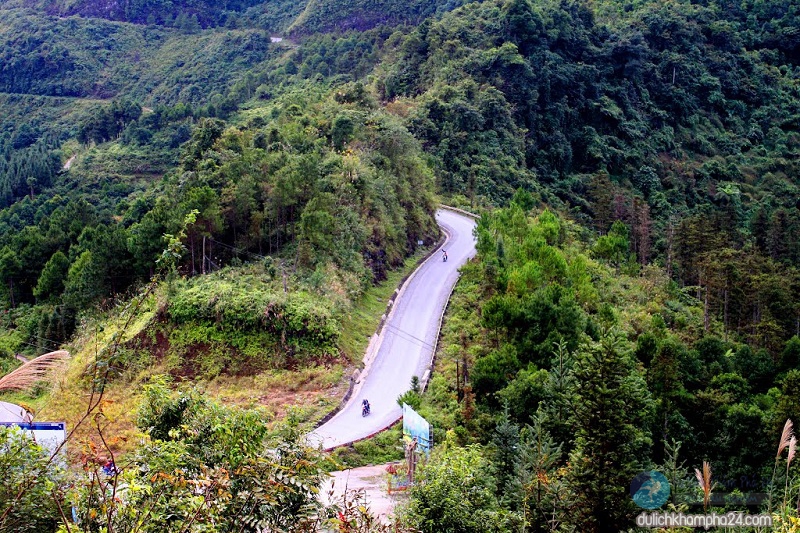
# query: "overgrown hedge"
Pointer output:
{"type": "Point", "coordinates": [250, 303]}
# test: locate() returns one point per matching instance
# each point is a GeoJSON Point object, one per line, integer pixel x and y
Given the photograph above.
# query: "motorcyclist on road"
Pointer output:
{"type": "Point", "coordinates": [444, 255]}
{"type": "Point", "coordinates": [364, 407]}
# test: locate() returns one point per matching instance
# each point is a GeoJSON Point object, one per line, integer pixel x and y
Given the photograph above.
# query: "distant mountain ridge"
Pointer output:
{"type": "Point", "coordinates": [275, 14]}
{"type": "Point", "coordinates": [302, 18]}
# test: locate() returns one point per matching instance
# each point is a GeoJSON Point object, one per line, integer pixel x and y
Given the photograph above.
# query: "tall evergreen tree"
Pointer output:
{"type": "Point", "coordinates": [611, 435]}
{"type": "Point", "coordinates": [542, 489]}
{"type": "Point", "coordinates": [10, 268]}
{"type": "Point", "coordinates": [506, 445]}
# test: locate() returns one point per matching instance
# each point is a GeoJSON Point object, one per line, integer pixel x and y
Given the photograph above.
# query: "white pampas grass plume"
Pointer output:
{"type": "Point", "coordinates": [704, 480]}
{"type": "Point", "coordinates": [28, 375]}
{"type": "Point", "coordinates": [786, 436]}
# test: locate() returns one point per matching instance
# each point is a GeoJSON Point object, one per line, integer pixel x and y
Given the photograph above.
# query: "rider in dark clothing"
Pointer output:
{"type": "Point", "coordinates": [365, 406]}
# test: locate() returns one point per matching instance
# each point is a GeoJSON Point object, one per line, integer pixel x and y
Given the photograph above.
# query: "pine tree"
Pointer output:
{"type": "Point", "coordinates": [10, 268]}
{"type": "Point", "coordinates": [543, 490]}
{"type": "Point", "coordinates": [506, 460]}
{"type": "Point", "coordinates": [612, 439]}
{"type": "Point", "coordinates": [560, 398]}
{"type": "Point", "coordinates": [51, 280]}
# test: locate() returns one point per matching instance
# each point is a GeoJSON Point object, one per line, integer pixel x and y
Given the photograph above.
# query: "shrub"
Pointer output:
{"type": "Point", "coordinates": [248, 303]}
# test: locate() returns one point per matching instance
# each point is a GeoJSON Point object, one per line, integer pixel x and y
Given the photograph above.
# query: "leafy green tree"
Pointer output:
{"type": "Point", "coordinates": [204, 136]}
{"type": "Point", "coordinates": [84, 282]}
{"type": "Point", "coordinates": [108, 244]}
{"type": "Point", "coordinates": [788, 405]}
{"type": "Point", "coordinates": [536, 322]}
{"type": "Point", "coordinates": [146, 238]}
{"type": "Point", "coordinates": [790, 357]}
{"type": "Point", "coordinates": [26, 465]}
{"type": "Point", "coordinates": [492, 372]}
{"type": "Point", "coordinates": [665, 377]}
{"type": "Point", "coordinates": [525, 392]}
{"type": "Point", "coordinates": [615, 246]}
{"type": "Point", "coordinates": [523, 25]}
{"type": "Point", "coordinates": [455, 493]}
{"type": "Point", "coordinates": [10, 268]}
{"type": "Point", "coordinates": [342, 130]}
{"type": "Point", "coordinates": [756, 366]}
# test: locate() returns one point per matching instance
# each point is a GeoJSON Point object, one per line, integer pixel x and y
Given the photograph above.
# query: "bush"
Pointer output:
{"type": "Point", "coordinates": [248, 303]}
{"type": "Point", "coordinates": [24, 464]}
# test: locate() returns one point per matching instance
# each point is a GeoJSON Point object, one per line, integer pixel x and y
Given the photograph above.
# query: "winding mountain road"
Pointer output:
{"type": "Point", "coordinates": [406, 342]}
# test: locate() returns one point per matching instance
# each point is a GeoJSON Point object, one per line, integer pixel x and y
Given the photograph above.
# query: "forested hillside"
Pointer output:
{"type": "Point", "coordinates": [575, 373]}
{"type": "Point", "coordinates": [676, 106]}
{"type": "Point", "coordinates": [200, 199]}
{"type": "Point", "coordinates": [274, 15]}
{"type": "Point", "coordinates": [679, 120]}
{"type": "Point", "coordinates": [328, 15]}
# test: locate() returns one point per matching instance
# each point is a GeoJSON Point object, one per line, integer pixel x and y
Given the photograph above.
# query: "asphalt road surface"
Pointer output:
{"type": "Point", "coordinates": [406, 342]}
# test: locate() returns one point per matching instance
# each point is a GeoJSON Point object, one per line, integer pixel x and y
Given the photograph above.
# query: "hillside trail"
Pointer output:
{"type": "Point", "coordinates": [68, 164]}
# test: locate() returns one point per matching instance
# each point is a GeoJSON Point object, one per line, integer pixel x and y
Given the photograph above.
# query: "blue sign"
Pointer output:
{"type": "Point", "coordinates": [416, 427]}
{"type": "Point", "coordinates": [37, 426]}
{"type": "Point", "coordinates": [49, 435]}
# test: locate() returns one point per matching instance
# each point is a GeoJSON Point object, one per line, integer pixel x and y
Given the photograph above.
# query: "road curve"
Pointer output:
{"type": "Point", "coordinates": [405, 346]}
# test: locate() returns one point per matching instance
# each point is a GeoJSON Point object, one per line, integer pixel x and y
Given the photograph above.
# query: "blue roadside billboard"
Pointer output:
{"type": "Point", "coordinates": [49, 435]}
{"type": "Point", "coordinates": [414, 426]}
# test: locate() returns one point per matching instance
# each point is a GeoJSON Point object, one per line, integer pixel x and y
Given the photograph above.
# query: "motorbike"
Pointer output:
{"type": "Point", "coordinates": [365, 410]}
{"type": "Point", "coordinates": [444, 258]}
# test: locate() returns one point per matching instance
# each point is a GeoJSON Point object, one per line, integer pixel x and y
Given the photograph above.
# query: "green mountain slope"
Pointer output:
{"type": "Point", "coordinates": [329, 15]}
{"type": "Point", "coordinates": [628, 99]}
{"type": "Point", "coordinates": [95, 58]}
{"type": "Point", "coordinates": [193, 14]}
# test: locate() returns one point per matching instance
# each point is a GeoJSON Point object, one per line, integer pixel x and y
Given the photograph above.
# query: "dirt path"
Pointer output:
{"type": "Point", "coordinates": [69, 162]}
{"type": "Point", "coordinates": [372, 481]}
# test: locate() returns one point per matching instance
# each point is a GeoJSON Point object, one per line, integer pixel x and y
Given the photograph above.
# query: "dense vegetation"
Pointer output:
{"type": "Point", "coordinates": [328, 15]}
{"type": "Point", "coordinates": [574, 375]}
{"type": "Point", "coordinates": [660, 113]}
{"type": "Point", "coordinates": [337, 195]}
{"type": "Point", "coordinates": [633, 305]}
{"type": "Point", "coordinates": [190, 16]}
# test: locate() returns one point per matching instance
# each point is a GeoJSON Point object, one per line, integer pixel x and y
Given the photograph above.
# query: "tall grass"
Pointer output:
{"type": "Point", "coordinates": [25, 378]}
{"type": "Point", "coordinates": [704, 480]}
{"type": "Point", "coordinates": [785, 441]}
